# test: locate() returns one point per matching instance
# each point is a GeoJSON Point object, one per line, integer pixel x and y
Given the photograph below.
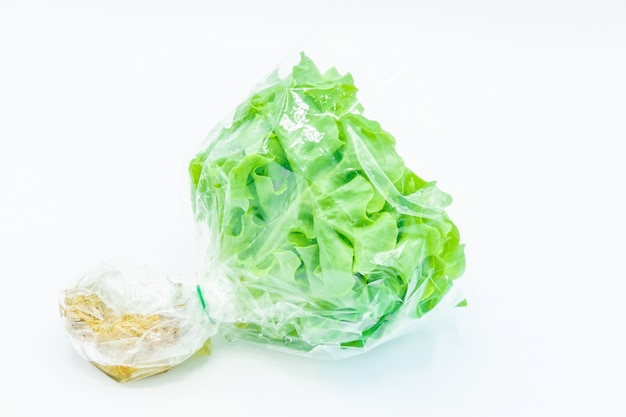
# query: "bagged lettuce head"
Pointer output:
{"type": "Point", "coordinates": [314, 235]}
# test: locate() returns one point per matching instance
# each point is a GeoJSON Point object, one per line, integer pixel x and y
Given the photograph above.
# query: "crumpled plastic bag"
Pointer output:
{"type": "Point", "coordinates": [132, 321]}
{"type": "Point", "coordinates": [314, 237]}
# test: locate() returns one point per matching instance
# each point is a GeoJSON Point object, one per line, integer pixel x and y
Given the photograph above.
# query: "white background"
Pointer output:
{"type": "Point", "coordinates": [517, 109]}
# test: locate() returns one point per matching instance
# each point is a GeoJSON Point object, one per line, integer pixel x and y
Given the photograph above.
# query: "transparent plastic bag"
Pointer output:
{"type": "Point", "coordinates": [132, 321]}
{"type": "Point", "coordinates": [314, 237]}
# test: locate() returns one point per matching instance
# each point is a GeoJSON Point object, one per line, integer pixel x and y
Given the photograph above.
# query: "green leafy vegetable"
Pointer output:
{"type": "Point", "coordinates": [315, 228]}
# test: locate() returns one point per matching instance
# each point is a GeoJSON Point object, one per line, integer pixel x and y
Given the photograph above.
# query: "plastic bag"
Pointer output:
{"type": "Point", "coordinates": [132, 321]}
{"type": "Point", "coordinates": [315, 238]}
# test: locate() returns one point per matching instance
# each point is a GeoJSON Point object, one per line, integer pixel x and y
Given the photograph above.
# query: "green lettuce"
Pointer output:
{"type": "Point", "coordinates": [315, 229]}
